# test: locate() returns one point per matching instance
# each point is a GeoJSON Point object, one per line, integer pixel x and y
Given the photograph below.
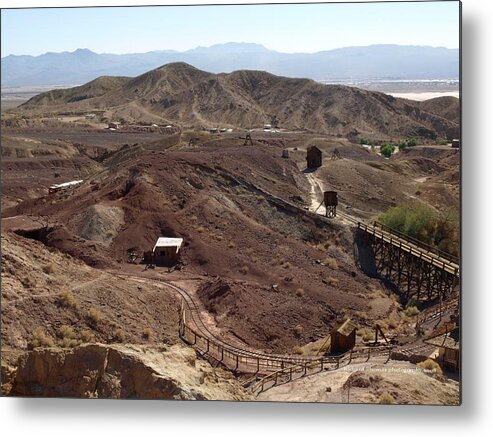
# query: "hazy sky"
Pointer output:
{"type": "Point", "coordinates": [285, 28]}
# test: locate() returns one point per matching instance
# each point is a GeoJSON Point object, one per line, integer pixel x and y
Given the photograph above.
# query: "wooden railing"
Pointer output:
{"type": "Point", "coordinates": [318, 365]}
{"type": "Point", "coordinates": [411, 248]}
{"type": "Point", "coordinates": [422, 245]}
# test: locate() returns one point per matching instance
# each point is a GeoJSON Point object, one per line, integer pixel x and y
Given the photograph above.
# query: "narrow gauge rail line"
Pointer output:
{"type": "Point", "coordinates": [234, 357]}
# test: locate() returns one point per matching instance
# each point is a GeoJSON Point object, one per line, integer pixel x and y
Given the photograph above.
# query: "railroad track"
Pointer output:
{"type": "Point", "coordinates": [255, 362]}
{"type": "Point", "coordinates": [276, 361]}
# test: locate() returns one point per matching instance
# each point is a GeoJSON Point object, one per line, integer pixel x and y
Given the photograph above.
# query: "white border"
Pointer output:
{"type": "Point", "coordinates": [474, 417]}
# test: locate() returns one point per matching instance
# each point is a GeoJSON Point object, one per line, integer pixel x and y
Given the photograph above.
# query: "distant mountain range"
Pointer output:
{"type": "Point", "coordinates": [371, 62]}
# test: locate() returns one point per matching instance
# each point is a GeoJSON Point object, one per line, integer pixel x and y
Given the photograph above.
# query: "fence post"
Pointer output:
{"type": "Point", "coordinates": [258, 369]}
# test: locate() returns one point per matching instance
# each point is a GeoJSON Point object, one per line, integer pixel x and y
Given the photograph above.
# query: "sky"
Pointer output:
{"type": "Point", "coordinates": [286, 28]}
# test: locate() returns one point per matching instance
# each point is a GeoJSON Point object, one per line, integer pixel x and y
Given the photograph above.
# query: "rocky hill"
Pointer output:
{"type": "Point", "coordinates": [121, 372]}
{"type": "Point", "coordinates": [180, 93]}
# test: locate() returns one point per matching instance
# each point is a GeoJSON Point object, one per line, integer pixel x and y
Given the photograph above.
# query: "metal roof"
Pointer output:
{"type": "Point", "coordinates": [67, 184]}
{"type": "Point", "coordinates": [168, 242]}
{"type": "Point", "coordinates": [345, 328]}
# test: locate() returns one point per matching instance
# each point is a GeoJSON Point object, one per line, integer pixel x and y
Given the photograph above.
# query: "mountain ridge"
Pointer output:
{"type": "Point", "coordinates": [182, 94]}
{"type": "Point", "coordinates": [359, 62]}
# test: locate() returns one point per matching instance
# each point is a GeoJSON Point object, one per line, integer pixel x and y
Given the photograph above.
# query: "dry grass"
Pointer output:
{"type": "Point", "coordinates": [119, 336]}
{"type": "Point", "coordinates": [298, 350]}
{"type": "Point", "coordinates": [67, 299]}
{"type": "Point", "coordinates": [298, 330]}
{"type": "Point", "coordinates": [386, 398]}
{"type": "Point", "coordinates": [431, 366]}
{"type": "Point", "coordinates": [331, 263]}
{"type": "Point", "coordinates": [94, 315]}
{"type": "Point", "coordinates": [87, 336]}
{"type": "Point", "coordinates": [411, 311]}
{"type": "Point", "coordinates": [366, 334]}
{"type": "Point", "coordinates": [147, 333]}
{"type": "Point", "coordinates": [49, 268]}
{"type": "Point", "coordinates": [333, 282]}
{"type": "Point", "coordinates": [40, 339]}
{"type": "Point", "coordinates": [361, 314]}
{"type": "Point", "coordinates": [244, 269]}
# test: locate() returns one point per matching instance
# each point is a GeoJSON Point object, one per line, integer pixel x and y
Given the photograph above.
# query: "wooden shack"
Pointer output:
{"type": "Point", "coordinates": [343, 337]}
{"type": "Point", "coordinates": [166, 251]}
{"type": "Point", "coordinates": [448, 348]}
{"type": "Point", "coordinates": [455, 143]}
{"type": "Point", "coordinates": [313, 157]}
{"type": "Point", "coordinates": [113, 125]}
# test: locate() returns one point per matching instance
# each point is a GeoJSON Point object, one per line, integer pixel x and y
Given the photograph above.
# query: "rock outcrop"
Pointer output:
{"type": "Point", "coordinates": [123, 371]}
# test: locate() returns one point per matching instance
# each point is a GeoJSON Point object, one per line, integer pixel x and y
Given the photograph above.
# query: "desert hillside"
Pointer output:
{"type": "Point", "coordinates": [180, 93]}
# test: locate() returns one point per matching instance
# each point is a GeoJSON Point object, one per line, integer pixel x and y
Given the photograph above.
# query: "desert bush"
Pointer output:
{"type": "Point", "coordinates": [244, 269]}
{"type": "Point", "coordinates": [87, 336]}
{"type": "Point", "coordinates": [40, 339]}
{"type": "Point", "coordinates": [67, 299]}
{"type": "Point", "coordinates": [298, 330]}
{"type": "Point", "coordinates": [231, 245]}
{"type": "Point", "coordinates": [361, 314]}
{"type": "Point", "coordinates": [119, 336]}
{"type": "Point", "coordinates": [49, 268]}
{"type": "Point", "coordinates": [298, 350]}
{"type": "Point", "coordinates": [147, 333]}
{"type": "Point", "coordinates": [411, 311]}
{"type": "Point", "coordinates": [386, 398]}
{"type": "Point", "coordinates": [300, 292]}
{"type": "Point", "coordinates": [438, 229]}
{"type": "Point", "coordinates": [431, 365]}
{"type": "Point", "coordinates": [442, 141]}
{"type": "Point", "coordinates": [387, 150]}
{"type": "Point", "coordinates": [333, 281]}
{"type": "Point", "coordinates": [366, 334]}
{"type": "Point", "coordinates": [66, 331]}
{"type": "Point", "coordinates": [364, 140]}
{"type": "Point", "coordinates": [407, 143]}
{"type": "Point", "coordinates": [331, 263]}
{"type": "Point", "coordinates": [94, 315]}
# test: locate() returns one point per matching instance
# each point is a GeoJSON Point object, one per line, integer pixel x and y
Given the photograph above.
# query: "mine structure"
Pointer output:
{"type": "Point", "coordinates": [330, 202]}
{"type": "Point", "coordinates": [313, 157]}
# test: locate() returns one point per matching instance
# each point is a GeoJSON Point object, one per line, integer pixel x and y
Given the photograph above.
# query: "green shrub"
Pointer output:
{"type": "Point", "coordinates": [387, 150]}
{"type": "Point", "coordinates": [438, 229]}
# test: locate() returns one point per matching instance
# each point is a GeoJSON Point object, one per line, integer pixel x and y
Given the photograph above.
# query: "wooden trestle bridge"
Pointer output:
{"type": "Point", "coordinates": [422, 273]}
